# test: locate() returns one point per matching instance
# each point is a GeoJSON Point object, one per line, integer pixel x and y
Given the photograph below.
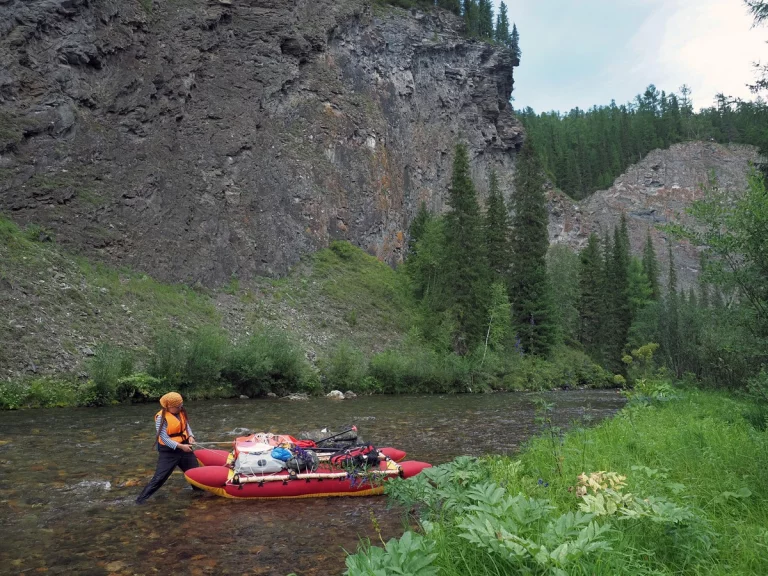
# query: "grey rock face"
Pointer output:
{"type": "Point", "coordinates": [201, 140]}
{"type": "Point", "coordinates": [654, 191]}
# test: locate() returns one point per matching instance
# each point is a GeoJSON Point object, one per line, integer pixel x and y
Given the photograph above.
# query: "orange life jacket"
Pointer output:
{"type": "Point", "coordinates": [175, 427]}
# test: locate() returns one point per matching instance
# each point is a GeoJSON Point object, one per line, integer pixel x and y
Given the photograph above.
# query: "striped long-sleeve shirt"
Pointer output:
{"type": "Point", "coordinates": [172, 444]}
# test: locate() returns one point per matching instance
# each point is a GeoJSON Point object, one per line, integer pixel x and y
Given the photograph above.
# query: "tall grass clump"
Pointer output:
{"type": "Point", "coordinates": [269, 362]}
{"type": "Point", "coordinates": [365, 289]}
{"type": "Point", "coordinates": [416, 367]}
{"type": "Point", "coordinates": [206, 351]}
{"type": "Point", "coordinates": [419, 368]}
{"type": "Point", "coordinates": [37, 392]}
{"type": "Point", "coordinates": [8, 229]}
{"type": "Point", "coordinates": [675, 484]}
{"type": "Point", "coordinates": [344, 368]}
{"type": "Point", "coordinates": [564, 368]}
{"type": "Point", "coordinates": [168, 359]}
{"type": "Point", "coordinates": [106, 367]}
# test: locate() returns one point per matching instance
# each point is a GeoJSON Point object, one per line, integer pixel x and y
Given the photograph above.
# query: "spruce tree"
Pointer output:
{"type": "Point", "coordinates": [452, 5]}
{"type": "Point", "coordinates": [651, 266]}
{"type": "Point", "coordinates": [485, 19]}
{"type": "Point", "coordinates": [501, 34]}
{"type": "Point", "coordinates": [465, 257]}
{"type": "Point", "coordinates": [618, 293]}
{"type": "Point", "coordinates": [417, 227]}
{"type": "Point", "coordinates": [497, 230]}
{"type": "Point", "coordinates": [592, 301]}
{"type": "Point", "coordinates": [471, 17]}
{"type": "Point", "coordinates": [671, 320]}
{"type": "Point", "coordinates": [563, 267]}
{"type": "Point", "coordinates": [514, 42]}
{"type": "Point", "coordinates": [529, 285]}
{"type": "Point", "coordinates": [638, 289]}
{"type": "Point", "coordinates": [704, 295]}
{"type": "Point", "coordinates": [606, 322]}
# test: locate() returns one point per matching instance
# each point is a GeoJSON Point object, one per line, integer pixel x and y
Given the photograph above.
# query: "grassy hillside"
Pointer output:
{"type": "Point", "coordinates": [60, 308]}
{"type": "Point", "coordinates": [80, 333]}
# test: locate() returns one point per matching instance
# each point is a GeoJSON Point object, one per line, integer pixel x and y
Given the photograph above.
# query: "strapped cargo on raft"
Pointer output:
{"type": "Point", "coordinates": [267, 465]}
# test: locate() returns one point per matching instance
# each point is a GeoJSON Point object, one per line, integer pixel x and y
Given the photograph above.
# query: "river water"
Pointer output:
{"type": "Point", "coordinates": [68, 478]}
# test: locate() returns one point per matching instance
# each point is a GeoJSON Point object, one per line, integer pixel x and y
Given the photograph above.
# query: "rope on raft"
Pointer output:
{"type": "Point", "coordinates": [310, 476]}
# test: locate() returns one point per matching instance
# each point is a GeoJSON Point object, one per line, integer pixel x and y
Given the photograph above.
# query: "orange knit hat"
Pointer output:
{"type": "Point", "coordinates": [171, 400]}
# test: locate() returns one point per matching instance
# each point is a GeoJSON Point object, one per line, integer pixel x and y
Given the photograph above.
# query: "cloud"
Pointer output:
{"type": "Point", "coordinates": [711, 46]}
{"type": "Point", "coordinates": [597, 51]}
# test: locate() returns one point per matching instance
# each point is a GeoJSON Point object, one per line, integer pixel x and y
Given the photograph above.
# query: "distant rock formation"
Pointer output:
{"type": "Point", "coordinates": [654, 191]}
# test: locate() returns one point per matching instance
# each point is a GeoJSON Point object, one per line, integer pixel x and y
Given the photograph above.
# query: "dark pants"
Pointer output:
{"type": "Point", "coordinates": [167, 461]}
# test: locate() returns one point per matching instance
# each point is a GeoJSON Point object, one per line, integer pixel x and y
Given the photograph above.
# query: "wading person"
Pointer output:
{"type": "Point", "coordinates": [173, 441]}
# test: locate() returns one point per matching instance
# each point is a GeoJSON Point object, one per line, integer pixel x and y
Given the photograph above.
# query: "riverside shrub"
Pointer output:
{"type": "Point", "coordinates": [344, 368]}
{"type": "Point", "coordinates": [168, 358]}
{"type": "Point", "coordinates": [205, 357]}
{"type": "Point", "coordinates": [106, 367]}
{"type": "Point", "coordinates": [269, 362]}
{"type": "Point", "coordinates": [419, 369]}
{"type": "Point", "coordinates": [39, 392]}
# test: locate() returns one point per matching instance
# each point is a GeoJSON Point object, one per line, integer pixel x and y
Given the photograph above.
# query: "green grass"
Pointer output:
{"type": "Point", "coordinates": [158, 303]}
{"type": "Point", "coordinates": [56, 305]}
{"type": "Point", "coordinates": [362, 287]}
{"type": "Point", "coordinates": [11, 130]}
{"type": "Point", "coordinates": [701, 442]}
{"type": "Point", "coordinates": [336, 293]}
{"type": "Point", "coordinates": [695, 499]}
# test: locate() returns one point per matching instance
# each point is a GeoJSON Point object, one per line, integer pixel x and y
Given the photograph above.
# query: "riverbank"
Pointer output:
{"type": "Point", "coordinates": [84, 334]}
{"type": "Point", "coordinates": [675, 484]}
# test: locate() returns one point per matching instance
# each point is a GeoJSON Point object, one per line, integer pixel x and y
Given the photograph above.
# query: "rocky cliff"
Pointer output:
{"type": "Point", "coordinates": [653, 192]}
{"type": "Point", "coordinates": [199, 140]}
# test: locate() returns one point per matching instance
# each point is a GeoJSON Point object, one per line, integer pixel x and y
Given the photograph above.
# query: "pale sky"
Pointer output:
{"type": "Point", "coordinates": [586, 52]}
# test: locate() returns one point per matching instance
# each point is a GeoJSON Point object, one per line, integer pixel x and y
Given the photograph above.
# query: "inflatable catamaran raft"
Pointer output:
{"type": "Point", "coordinates": [280, 466]}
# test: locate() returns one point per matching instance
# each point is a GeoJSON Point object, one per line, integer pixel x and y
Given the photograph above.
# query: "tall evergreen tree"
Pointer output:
{"type": "Point", "coordinates": [609, 281]}
{"type": "Point", "coordinates": [417, 227]}
{"type": "Point", "coordinates": [639, 288]}
{"type": "Point", "coordinates": [485, 19]}
{"type": "Point", "coordinates": [704, 296]}
{"type": "Point", "coordinates": [651, 266]}
{"type": "Point", "coordinates": [671, 320]}
{"type": "Point", "coordinates": [563, 266]}
{"type": "Point", "coordinates": [501, 34]}
{"type": "Point", "coordinates": [618, 299]}
{"type": "Point", "coordinates": [497, 230]}
{"type": "Point", "coordinates": [514, 42]}
{"type": "Point", "coordinates": [471, 17]}
{"type": "Point", "coordinates": [529, 285]}
{"type": "Point", "coordinates": [452, 5]}
{"type": "Point", "coordinates": [465, 256]}
{"type": "Point", "coordinates": [592, 302]}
